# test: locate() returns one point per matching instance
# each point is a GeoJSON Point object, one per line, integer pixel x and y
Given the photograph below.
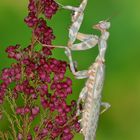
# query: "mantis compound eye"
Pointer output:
{"type": "Point", "coordinates": [104, 25]}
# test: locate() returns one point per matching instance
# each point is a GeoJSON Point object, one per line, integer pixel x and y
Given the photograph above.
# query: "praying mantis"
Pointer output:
{"type": "Point", "coordinates": [92, 92]}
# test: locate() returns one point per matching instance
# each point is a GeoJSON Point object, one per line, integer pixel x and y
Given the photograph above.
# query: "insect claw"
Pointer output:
{"type": "Point", "coordinates": [79, 120]}
{"type": "Point", "coordinates": [81, 131]}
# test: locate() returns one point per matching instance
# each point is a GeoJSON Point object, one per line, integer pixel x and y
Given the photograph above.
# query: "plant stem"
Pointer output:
{"type": "Point", "coordinates": [33, 39]}
{"type": "Point", "coordinates": [25, 133]}
{"type": "Point", "coordinates": [2, 135]}
{"type": "Point", "coordinates": [12, 125]}
{"type": "Point", "coordinates": [25, 121]}
{"type": "Point", "coordinates": [13, 106]}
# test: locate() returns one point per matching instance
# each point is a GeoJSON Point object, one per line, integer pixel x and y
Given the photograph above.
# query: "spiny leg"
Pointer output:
{"type": "Point", "coordinates": [59, 3]}
{"type": "Point", "coordinates": [76, 9]}
{"type": "Point", "coordinates": [83, 4]}
{"type": "Point", "coordinates": [106, 107]}
{"type": "Point", "coordinates": [78, 74]}
{"type": "Point", "coordinates": [77, 19]}
{"type": "Point", "coordinates": [75, 64]}
{"type": "Point", "coordinates": [52, 46]}
{"type": "Point", "coordinates": [74, 28]}
{"type": "Point", "coordinates": [72, 8]}
{"type": "Point", "coordinates": [68, 7]}
{"type": "Point", "coordinates": [79, 46]}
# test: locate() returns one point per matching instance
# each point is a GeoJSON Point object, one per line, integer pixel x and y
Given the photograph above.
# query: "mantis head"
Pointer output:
{"type": "Point", "coordinates": [102, 25]}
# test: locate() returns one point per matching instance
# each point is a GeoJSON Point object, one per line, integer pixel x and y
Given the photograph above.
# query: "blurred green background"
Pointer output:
{"type": "Point", "coordinates": [122, 83]}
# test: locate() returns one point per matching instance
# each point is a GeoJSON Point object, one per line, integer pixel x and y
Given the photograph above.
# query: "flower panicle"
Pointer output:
{"type": "Point", "coordinates": [39, 81]}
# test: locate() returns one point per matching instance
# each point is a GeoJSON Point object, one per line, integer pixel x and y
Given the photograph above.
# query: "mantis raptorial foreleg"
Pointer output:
{"type": "Point", "coordinates": [88, 41]}
{"type": "Point", "coordinates": [74, 28]}
{"type": "Point", "coordinates": [68, 7]}
{"type": "Point", "coordinates": [75, 9]}
{"type": "Point", "coordinates": [77, 19]}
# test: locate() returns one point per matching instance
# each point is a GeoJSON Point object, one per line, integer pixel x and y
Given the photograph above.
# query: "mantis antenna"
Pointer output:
{"type": "Point", "coordinates": [113, 15]}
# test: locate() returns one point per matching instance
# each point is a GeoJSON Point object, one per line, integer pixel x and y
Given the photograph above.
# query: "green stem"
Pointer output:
{"type": "Point", "coordinates": [13, 106]}
{"type": "Point", "coordinates": [25, 133]}
{"type": "Point", "coordinates": [40, 126]}
{"type": "Point", "coordinates": [12, 124]}
{"type": "Point", "coordinates": [2, 135]}
{"type": "Point", "coordinates": [25, 120]}
{"type": "Point", "coordinates": [6, 136]}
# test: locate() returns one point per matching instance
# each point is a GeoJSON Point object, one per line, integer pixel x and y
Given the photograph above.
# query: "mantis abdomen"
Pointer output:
{"type": "Point", "coordinates": [92, 104]}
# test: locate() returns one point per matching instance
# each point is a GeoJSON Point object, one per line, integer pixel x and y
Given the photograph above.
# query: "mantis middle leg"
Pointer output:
{"type": "Point", "coordinates": [78, 74]}
{"type": "Point", "coordinates": [85, 45]}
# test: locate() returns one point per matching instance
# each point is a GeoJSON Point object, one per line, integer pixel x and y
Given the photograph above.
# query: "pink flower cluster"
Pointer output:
{"type": "Point", "coordinates": [46, 7]}
{"type": "Point", "coordinates": [41, 80]}
{"type": "Point", "coordinates": [43, 33]}
{"type": "Point", "coordinates": [52, 88]}
{"type": "Point", "coordinates": [49, 8]}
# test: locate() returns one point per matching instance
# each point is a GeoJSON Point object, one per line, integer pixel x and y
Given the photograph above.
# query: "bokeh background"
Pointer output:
{"type": "Point", "coordinates": [122, 83]}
